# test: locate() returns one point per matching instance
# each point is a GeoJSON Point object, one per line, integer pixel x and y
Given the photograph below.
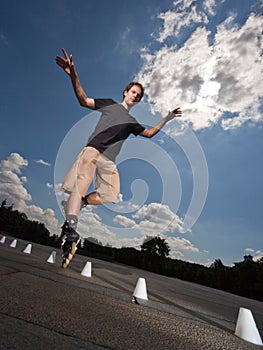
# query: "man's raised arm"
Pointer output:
{"type": "Point", "coordinates": [155, 129]}
{"type": "Point", "coordinates": [67, 65]}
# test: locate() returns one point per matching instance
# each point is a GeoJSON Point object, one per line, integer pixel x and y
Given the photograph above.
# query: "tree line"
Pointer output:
{"type": "Point", "coordinates": [244, 278]}
{"type": "Point", "coordinates": [19, 226]}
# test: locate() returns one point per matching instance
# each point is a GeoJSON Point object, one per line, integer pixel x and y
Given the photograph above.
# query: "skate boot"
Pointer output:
{"type": "Point", "coordinates": [69, 241]}
{"type": "Point", "coordinates": [84, 202]}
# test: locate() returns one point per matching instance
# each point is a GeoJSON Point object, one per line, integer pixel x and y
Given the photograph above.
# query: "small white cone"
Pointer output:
{"type": "Point", "coordinates": [2, 240]}
{"type": "Point", "coordinates": [52, 258]}
{"type": "Point", "coordinates": [140, 290]}
{"type": "Point", "coordinates": [246, 327]}
{"type": "Point", "coordinates": [28, 249]}
{"type": "Point", "coordinates": [13, 243]}
{"type": "Point", "coordinates": [87, 269]}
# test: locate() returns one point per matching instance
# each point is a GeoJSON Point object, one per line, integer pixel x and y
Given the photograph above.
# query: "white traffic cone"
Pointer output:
{"type": "Point", "coordinates": [52, 258]}
{"type": "Point", "coordinates": [28, 249]}
{"type": "Point", "coordinates": [2, 240]}
{"type": "Point", "coordinates": [246, 327]}
{"type": "Point", "coordinates": [140, 290]}
{"type": "Point", "coordinates": [13, 243]}
{"type": "Point", "coordinates": [87, 269]}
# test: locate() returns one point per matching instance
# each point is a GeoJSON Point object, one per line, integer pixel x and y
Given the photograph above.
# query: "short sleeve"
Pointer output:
{"type": "Point", "coordinates": [137, 129]}
{"type": "Point", "coordinates": [103, 102]}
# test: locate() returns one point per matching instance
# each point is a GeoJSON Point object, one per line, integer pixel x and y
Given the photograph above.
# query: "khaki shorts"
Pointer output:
{"type": "Point", "coordinates": [88, 163]}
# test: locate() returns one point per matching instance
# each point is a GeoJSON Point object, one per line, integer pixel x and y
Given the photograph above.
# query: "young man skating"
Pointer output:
{"type": "Point", "coordinates": [98, 157]}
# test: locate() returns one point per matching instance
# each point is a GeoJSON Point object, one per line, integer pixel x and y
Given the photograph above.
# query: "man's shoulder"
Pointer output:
{"type": "Point", "coordinates": [103, 102]}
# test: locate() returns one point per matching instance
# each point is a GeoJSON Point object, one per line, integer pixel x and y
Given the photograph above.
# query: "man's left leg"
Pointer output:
{"type": "Point", "coordinates": [107, 184]}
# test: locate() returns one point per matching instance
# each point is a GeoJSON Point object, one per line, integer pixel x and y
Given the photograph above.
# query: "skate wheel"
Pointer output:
{"type": "Point", "coordinates": [69, 256]}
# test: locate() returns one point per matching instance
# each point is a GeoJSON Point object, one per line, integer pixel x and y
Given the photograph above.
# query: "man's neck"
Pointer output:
{"type": "Point", "coordinates": [126, 106]}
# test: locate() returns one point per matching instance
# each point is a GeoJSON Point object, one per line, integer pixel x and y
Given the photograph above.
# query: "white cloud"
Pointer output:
{"type": "Point", "coordinates": [10, 177]}
{"type": "Point", "coordinates": [59, 193]}
{"type": "Point", "coordinates": [14, 193]}
{"type": "Point", "coordinates": [184, 14]}
{"type": "Point", "coordinates": [46, 216]}
{"type": "Point", "coordinates": [249, 250]}
{"type": "Point", "coordinates": [180, 245]}
{"type": "Point", "coordinates": [41, 161]}
{"type": "Point", "coordinates": [14, 163]}
{"type": "Point", "coordinates": [207, 80]}
{"type": "Point", "coordinates": [124, 221]}
{"type": "Point", "coordinates": [12, 188]}
{"type": "Point", "coordinates": [209, 7]}
{"type": "Point", "coordinates": [157, 217]}
{"type": "Point", "coordinates": [90, 225]}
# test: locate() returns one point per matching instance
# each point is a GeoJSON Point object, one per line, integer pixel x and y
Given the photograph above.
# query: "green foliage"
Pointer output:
{"type": "Point", "coordinates": [94, 248]}
{"type": "Point", "coordinates": [18, 225]}
{"type": "Point", "coordinates": [156, 246]}
{"type": "Point", "coordinates": [217, 265]}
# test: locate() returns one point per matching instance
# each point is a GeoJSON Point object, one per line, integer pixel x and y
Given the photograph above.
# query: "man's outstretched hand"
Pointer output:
{"type": "Point", "coordinates": [65, 63]}
{"type": "Point", "coordinates": [175, 113]}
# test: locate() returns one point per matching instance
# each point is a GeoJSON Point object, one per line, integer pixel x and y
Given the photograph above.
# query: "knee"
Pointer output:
{"type": "Point", "coordinates": [110, 198]}
{"type": "Point", "coordinates": [115, 200]}
{"type": "Point", "coordinates": [115, 197]}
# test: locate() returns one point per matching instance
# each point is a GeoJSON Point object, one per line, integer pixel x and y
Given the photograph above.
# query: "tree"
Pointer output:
{"type": "Point", "coordinates": [248, 258]}
{"type": "Point", "coordinates": [3, 204]}
{"type": "Point", "coordinates": [156, 246]}
{"type": "Point", "coordinates": [217, 265]}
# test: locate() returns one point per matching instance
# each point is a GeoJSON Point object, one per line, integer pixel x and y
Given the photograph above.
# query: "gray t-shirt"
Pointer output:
{"type": "Point", "coordinates": [113, 128]}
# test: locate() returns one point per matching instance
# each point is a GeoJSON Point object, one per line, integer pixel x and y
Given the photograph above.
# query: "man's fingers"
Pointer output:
{"type": "Point", "coordinates": [177, 111]}
{"type": "Point", "coordinates": [60, 61]}
{"type": "Point", "coordinates": [65, 53]}
{"type": "Point", "coordinates": [59, 58]}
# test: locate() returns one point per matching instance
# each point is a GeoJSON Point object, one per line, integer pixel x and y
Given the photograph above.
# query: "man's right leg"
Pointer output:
{"type": "Point", "coordinates": [69, 236]}
{"type": "Point", "coordinates": [84, 172]}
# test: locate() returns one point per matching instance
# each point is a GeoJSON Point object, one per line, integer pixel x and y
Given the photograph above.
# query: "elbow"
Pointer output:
{"type": "Point", "coordinates": [87, 102]}
{"type": "Point", "coordinates": [146, 134]}
{"type": "Point", "coordinates": [150, 133]}
{"type": "Point", "coordinates": [82, 102]}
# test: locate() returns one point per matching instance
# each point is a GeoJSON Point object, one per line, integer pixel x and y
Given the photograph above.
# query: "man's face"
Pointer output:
{"type": "Point", "coordinates": [133, 95]}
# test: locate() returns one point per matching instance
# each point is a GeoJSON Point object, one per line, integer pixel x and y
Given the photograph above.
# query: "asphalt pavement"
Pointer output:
{"type": "Point", "coordinates": [44, 306]}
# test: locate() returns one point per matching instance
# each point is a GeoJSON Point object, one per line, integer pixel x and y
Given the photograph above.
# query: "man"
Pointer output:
{"type": "Point", "coordinates": [113, 128]}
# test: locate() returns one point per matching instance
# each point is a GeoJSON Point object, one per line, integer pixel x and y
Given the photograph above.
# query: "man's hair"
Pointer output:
{"type": "Point", "coordinates": [131, 84]}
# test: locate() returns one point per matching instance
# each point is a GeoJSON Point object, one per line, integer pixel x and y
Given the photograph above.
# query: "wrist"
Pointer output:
{"type": "Point", "coordinates": [170, 116]}
{"type": "Point", "coordinates": [73, 74]}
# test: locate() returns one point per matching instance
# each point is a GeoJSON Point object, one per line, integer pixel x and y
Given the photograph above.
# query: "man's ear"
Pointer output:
{"type": "Point", "coordinates": [125, 93]}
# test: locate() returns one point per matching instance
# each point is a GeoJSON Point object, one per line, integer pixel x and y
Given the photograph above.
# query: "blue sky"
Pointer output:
{"type": "Point", "coordinates": [205, 56]}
